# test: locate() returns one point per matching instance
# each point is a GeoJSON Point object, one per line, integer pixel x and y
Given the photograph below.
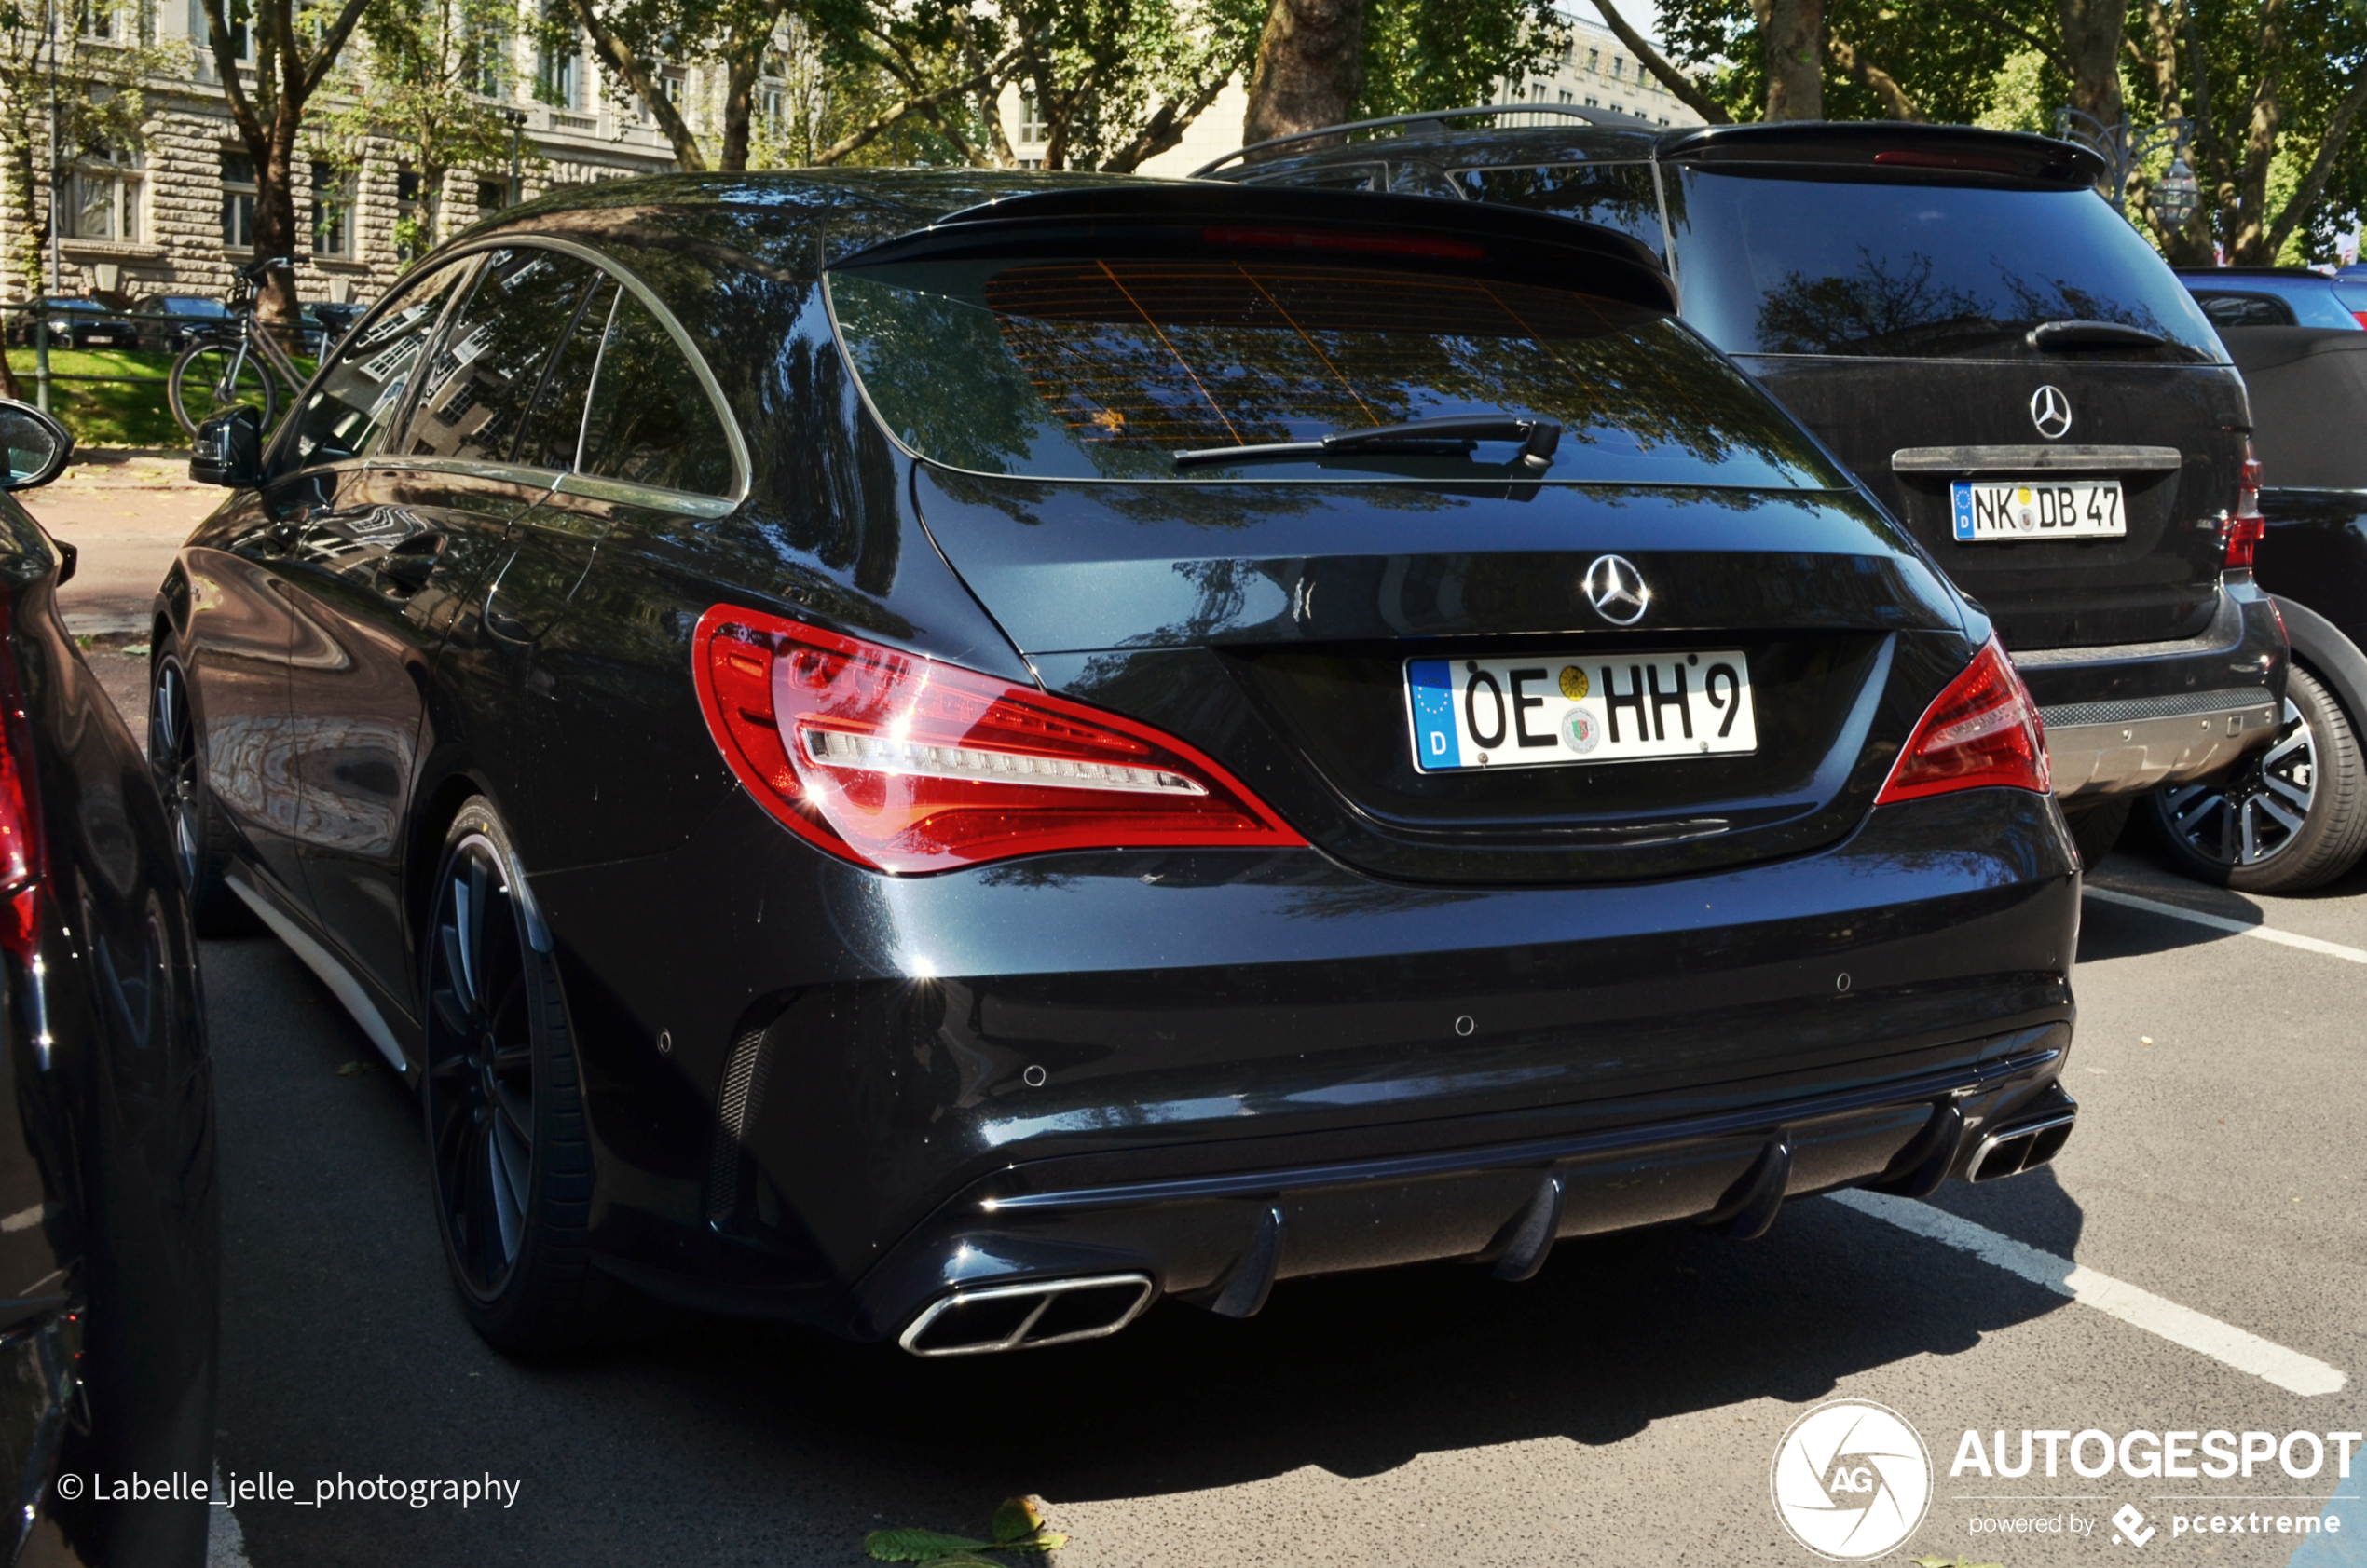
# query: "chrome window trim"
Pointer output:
{"type": "Point", "coordinates": [401, 423]}
{"type": "Point", "coordinates": [743, 469]}
{"type": "Point", "coordinates": [654, 495]}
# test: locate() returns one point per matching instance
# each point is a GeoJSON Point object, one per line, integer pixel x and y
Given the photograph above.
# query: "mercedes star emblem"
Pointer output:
{"type": "Point", "coordinates": [2050, 411]}
{"type": "Point", "coordinates": [1616, 589]}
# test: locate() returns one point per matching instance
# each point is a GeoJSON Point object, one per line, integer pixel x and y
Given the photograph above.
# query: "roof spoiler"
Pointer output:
{"type": "Point", "coordinates": [1434, 122]}
{"type": "Point", "coordinates": [1943, 150]}
{"type": "Point", "coordinates": [1417, 232]}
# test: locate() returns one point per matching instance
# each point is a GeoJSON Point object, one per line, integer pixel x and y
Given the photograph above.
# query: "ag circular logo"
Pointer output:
{"type": "Point", "coordinates": [1851, 1480]}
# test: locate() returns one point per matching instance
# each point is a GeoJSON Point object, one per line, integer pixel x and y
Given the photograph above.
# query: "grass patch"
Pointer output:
{"type": "Point", "coordinates": [130, 413]}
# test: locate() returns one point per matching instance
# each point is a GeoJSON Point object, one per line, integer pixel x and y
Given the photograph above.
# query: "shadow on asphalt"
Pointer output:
{"type": "Point", "coordinates": [729, 1442]}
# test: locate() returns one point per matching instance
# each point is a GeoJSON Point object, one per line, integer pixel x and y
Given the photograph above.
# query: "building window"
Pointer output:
{"type": "Point", "coordinates": [332, 202]}
{"type": "Point", "coordinates": [1566, 96]}
{"type": "Point", "coordinates": [1619, 67]}
{"type": "Point", "coordinates": [1594, 103]}
{"type": "Point", "coordinates": [1595, 60]}
{"type": "Point", "coordinates": [1031, 126]}
{"type": "Point", "coordinates": [109, 24]}
{"type": "Point", "coordinates": [407, 214]}
{"type": "Point", "coordinates": [103, 195]}
{"type": "Point", "coordinates": [237, 201]}
{"type": "Point", "coordinates": [776, 108]}
{"type": "Point", "coordinates": [558, 69]}
{"type": "Point", "coordinates": [492, 196]}
{"type": "Point", "coordinates": [235, 13]}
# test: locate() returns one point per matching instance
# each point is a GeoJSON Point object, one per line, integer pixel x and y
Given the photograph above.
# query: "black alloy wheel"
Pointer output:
{"type": "Point", "coordinates": [201, 845]}
{"type": "Point", "coordinates": [506, 1146]}
{"type": "Point", "coordinates": [2284, 820]}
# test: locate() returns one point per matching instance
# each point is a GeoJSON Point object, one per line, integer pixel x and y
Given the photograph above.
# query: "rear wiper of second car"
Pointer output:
{"type": "Point", "coordinates": [1449, 437]}
{"type": "Point", "coordinates": [2092, 334]}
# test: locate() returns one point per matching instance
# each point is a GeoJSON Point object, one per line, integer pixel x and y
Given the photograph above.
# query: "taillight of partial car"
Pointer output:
{"type": "Point", "coordinates": [1982, 732]}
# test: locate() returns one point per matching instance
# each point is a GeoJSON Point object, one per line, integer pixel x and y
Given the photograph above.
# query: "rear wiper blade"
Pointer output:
{"type": "Point", "coordinates": [1454, 435]}
{"type": "Point", "coordinates": [2092, 334]}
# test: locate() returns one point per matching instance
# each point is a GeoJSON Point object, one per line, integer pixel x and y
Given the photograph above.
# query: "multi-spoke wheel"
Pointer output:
{"type": "Point", "coordinates": [200, 839]}
{"type": "Point", "coordinates": [513, 1171]}
{"type": "Point", "coordinates": [2288, 818]}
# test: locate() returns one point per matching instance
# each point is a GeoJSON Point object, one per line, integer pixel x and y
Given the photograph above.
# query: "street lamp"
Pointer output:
{"type": "Point", "coordinates": [518, 118]}
{"type": "Point", "coordinates": [2125, 148]}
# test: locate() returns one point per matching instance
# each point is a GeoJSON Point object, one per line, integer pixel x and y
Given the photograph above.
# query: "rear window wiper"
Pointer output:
{"type": "Point", "coordinates": [2093, 335]}
{"type": "Point", "coordinates": [1452, 436]}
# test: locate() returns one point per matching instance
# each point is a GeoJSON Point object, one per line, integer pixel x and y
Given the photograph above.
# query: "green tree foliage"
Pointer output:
{"type": "Point", "coordinates": [1440, 54]}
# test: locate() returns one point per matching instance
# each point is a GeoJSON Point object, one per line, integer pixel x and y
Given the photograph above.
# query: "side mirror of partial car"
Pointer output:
{"type": "Point", "coordinates": [37, 446]}
{"type": "Point", "coordinates": [229, 449]}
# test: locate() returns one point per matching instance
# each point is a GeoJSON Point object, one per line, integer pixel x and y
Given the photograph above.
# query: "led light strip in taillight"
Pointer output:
{"type": "Point", "coordinates": [901, 763]}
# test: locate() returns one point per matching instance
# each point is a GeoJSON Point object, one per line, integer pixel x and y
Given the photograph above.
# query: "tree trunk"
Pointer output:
{"type": "Point", "coordinates": [1310, 67]}
{"type": "Point", "coordinates": [275, 224]}
{"type": "Point", "coordinates": [1790, 32]}
{"type": "Point", "coordinates": [2247, 242]}
{"type": "Point", "coordinates": [1684, 87]}
{"type": "Point", "coordinates": [1872, 77]}
{"type": "Point", "coordinates": [2092, 31]}
{"type": "Point", "coordinates": [739, 107]}
{"type": "Point", "coordinates": [644, 83]}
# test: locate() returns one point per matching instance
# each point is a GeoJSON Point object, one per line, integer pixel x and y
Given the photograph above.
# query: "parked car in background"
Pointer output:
{"type": "Point", "coordinates": [946, 755]}
{"type": "Point", "coordinates": [2279, 296]}
{"type": "Point", "coordinates": [182, 314]}
{"type": "Point", "coordinates": [1985, 344]}
{"type": "Point", "coordinates": [80, 323]}
{"type": "Point", "coordinates": [2295, 816]}
{"type": "Point", "coordinates": [109, 1270]}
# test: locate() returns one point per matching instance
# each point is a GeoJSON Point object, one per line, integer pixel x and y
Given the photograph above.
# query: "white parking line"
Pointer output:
{"type": "Point", "coordinates": [2221, 923]}
{"type": "Point", "coordinates": [2289, 1370]}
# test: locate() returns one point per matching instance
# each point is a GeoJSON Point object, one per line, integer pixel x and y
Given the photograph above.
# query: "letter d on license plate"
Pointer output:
{"type": "Point", "coordinates": [1566, 709]}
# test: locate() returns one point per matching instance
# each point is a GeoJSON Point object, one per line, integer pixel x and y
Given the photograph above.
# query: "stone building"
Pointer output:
{"type": "Point", "coordinates": [175, 215]}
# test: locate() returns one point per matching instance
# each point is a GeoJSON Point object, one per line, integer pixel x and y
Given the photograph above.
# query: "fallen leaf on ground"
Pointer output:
{"type": "Point", "coordinates": [356, 1069]}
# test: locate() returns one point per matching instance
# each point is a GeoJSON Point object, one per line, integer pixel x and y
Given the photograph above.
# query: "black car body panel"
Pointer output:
{"type": "Point", "coordinates": [2128, 642]}
{"type": "Point", "coordinates": [109, 1260]}
{"type": "Point", "coordinates": [812, 1090]}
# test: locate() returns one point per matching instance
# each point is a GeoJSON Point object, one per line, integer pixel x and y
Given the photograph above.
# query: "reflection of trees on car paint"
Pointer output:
{"type": "Point", "coordinates": [1890, 305]}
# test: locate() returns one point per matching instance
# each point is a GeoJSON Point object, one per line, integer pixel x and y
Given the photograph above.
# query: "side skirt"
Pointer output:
{"type": "Point", "coordinates": [334, 974]}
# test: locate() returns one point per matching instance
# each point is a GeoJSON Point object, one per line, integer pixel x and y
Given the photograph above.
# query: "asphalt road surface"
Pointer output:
{"type": "Point", "coordinates": [1624, 1407]}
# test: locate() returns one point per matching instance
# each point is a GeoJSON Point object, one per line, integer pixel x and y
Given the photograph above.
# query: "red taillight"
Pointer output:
{"type": "Point", "coordinates": [2360, 316]}
{"type": "Point", "coordinates": [903, 763]}
{"type": "Point", "coordinates": [1983, 733]}
{"type": "Point", "coordinates": [20, 856]}
{"type": "Point", "coordinates": [2244, 531]}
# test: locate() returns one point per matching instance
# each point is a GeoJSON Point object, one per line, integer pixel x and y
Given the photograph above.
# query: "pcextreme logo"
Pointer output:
{"type": "Point", "coordinates": [1851, 1480]}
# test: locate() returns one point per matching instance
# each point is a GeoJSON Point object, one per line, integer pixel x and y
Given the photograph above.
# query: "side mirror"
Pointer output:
{"type": "Point", "coordinates": [38, 448]}
{"type": "Point", "coordinates": [229, 449]}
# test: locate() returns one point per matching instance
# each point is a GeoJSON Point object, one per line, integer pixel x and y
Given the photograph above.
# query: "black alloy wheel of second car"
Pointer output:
{"type": "Point", "coordinates": [2287, 819]}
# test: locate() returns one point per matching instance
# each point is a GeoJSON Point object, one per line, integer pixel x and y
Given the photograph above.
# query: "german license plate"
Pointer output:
{"type": "Point", "coordinates": [1573, 708]}
{"type": "Point", "coordinates": [96, 337]}
{"type": "Point", "coordinates": [2031, 509]}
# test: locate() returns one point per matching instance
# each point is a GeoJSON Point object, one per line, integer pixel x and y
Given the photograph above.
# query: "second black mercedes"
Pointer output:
{"type": "Point", "coordinates": [949, 756]}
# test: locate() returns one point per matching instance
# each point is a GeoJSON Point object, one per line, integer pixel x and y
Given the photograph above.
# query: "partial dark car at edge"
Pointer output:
{"type": "Point", "coordinates": [109, 1270]}
{"type": "Point", "coordinates": [1987, 346]}
{"type": "Point", "coordinates": [948, 755]}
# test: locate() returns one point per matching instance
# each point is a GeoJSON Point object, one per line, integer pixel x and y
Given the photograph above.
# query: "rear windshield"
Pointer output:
{"type": "Point", "coordinates": [1063, 367]}
{"type": "Point", "coordinates": [1784, 266]}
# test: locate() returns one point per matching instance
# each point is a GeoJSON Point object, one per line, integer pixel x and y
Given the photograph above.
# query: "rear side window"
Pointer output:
{"type": "Point", "coordinates": [349, 407]}
{"type": "Point", "coordinates": [2244, 310]}
{"type": "Point", "coordinates": [651, 421]}
{"type": "Point", "coordinates": [1620, 196]}
{"type": "Point", "coordinates": [1106, 367]}
{"type": "Point", "coordinates": [1772, 264]}
{"type": "Point", "coordinates": [556, 424]}
{"type": "Point", "coordinates": [488, 365]}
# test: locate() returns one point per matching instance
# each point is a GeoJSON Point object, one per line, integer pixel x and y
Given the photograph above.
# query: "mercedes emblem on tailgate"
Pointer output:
{"type": "Point", "coordinates": [1616, 589]}
{"type": "Point", "coordinates": [2050, 411]}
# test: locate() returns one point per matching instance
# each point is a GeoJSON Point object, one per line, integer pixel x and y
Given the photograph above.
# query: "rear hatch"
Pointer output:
{"type": "Point", "coordinates": [1952, 309]}
{"type": "Point", "coordinates": [1294, 612]}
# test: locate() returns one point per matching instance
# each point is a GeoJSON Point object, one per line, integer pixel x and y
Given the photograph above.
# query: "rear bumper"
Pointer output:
{"type": "Point", "coordinates": [1222, 1240]}
{"type": "Point", "coordinates": [2125, 719]}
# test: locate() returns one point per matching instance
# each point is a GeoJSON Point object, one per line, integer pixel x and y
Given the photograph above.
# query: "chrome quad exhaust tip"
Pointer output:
{"type": "Point", "coordinates": [976, 1321]}
{"type": "Point", "coordinates": [2023, 1145]}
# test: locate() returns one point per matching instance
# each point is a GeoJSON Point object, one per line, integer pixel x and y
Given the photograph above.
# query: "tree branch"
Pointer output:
{"type": "Point", "coordinates": [2313, 184]}
{"type": "Point", "coordinates": [864, 135]}
{"type": "Point", "coordinates": [1165, 129]}
{"type": "Point", "coordinates": [324, 59]}
{"type": "Point", "coordinates": [626, 63]}
{"type": "Point", "coordinates": [1873, 78]}
{"type": "Point", "coordinates": [1684, 87]}
{"type": "Point", "coordinates": [225, 65]}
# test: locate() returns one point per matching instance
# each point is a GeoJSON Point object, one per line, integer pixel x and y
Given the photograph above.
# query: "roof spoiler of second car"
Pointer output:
{"type": "Point", "coordinates": [1958, 151]}
{"type": "Point", "coordinates": [1311, 225]}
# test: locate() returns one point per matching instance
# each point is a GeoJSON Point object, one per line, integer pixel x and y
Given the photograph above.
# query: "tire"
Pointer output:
{"type": "Point", "coordinates": [2287, 819]}
{"type": "Point", "coordinates": [502, 1106]}
{"type": "Point", "coordinates": [2095, 828]}
{"type": "Point", "coordinates": [202, 841]}
{"type": "Point", "coordinates": [211, 378]}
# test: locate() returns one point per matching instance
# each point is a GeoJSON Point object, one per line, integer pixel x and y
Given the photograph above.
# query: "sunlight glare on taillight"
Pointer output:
{"type": "Point", "coordinates": [2244, 531]}
{"type": "Point", "coordinates": [1983, 733]}
{"type": "Point", "coordinates": [905, 764]}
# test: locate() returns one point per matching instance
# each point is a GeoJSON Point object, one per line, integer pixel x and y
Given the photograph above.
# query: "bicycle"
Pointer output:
{"type": "Point", "coordinates": [223, 368]}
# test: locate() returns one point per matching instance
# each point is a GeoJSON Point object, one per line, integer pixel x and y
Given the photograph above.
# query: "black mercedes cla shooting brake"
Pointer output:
{"type": "Point", "coordinates": [945, 757]}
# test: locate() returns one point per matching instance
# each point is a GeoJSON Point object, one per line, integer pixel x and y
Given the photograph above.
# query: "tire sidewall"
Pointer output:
{"type": "Point", "coordinates": [2313, 855]}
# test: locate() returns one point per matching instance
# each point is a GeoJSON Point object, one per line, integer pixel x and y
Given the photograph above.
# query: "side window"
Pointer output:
{"type": "Point", "coordinates": [651, 421]}
{"type": "Point", "coordinates": [347, 415]}
{"type": "Point", "coordinates": [556, 422]}
{"type": "Point", "coordinates": [2245, 310]}
{"type": "Point", "coordinates": [489, 364]}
